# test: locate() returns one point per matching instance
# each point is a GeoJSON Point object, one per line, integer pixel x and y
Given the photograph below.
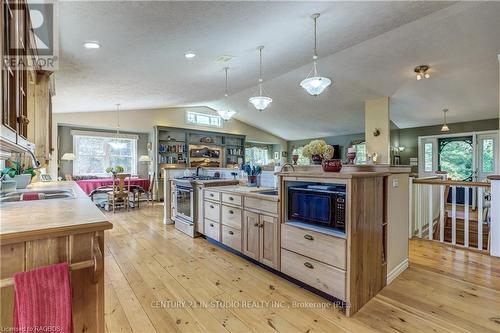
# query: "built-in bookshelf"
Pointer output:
{"type": "Point", "coordinates": [180, 148]}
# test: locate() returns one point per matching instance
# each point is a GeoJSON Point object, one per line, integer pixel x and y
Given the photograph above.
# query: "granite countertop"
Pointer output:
{"type": "Point", "coordinates": [248, 191]}
{"type": "Point", "coordinates": [23, 220]}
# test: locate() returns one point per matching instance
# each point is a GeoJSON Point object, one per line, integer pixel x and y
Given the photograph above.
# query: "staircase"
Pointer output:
{"type": "Point", "coordinates": [473, 228]}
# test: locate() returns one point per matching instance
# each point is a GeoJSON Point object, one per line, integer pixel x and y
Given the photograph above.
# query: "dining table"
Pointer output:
{"type": "Point", "coordinates": [88, 185]}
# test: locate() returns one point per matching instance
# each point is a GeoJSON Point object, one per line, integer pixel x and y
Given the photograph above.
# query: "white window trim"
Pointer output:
{"type": "Point", "coordinates": [133, 137]}
{"type": "Point", "coordinates": [203, 114]}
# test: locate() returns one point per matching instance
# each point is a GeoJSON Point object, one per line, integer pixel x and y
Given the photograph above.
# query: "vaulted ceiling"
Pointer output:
{"type": "Point", "coordinates": [369, 49]}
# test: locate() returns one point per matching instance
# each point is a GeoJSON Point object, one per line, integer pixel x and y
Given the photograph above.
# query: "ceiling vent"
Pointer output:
{"type": "Point", "coordinates": [223, 59]}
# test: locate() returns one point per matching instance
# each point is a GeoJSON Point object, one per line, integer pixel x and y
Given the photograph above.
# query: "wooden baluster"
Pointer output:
{"type": "Point", "coordinates": [480, 196]}
{"type": "Point", "coordinates": [466, 217]}
{"type": "Point", "coordinates": [431, 213]}
{"type": "Point", "coordinates": [441, 212]}
{"type": "Point", "coordinates": [454, 215]}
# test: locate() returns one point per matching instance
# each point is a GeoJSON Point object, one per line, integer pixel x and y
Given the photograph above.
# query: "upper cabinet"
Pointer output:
{"type": "Point", "coordinates": [24, 91]}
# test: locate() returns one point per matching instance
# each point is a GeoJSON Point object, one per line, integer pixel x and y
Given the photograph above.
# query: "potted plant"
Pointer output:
{"type": "Point", "coordinates": [114, 170]}
{"type": "Point", "coordinates": [252, 173]}
{"type": "Point", "coordinates": [317, 151]}
{"type": "Point", "coordinates": [19, 173]}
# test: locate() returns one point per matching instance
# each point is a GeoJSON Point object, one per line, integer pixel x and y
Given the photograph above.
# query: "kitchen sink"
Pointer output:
{"type": "Point", "coordinates": [46, 195]}
{"type": "Point", "coordinates": [268, 192]}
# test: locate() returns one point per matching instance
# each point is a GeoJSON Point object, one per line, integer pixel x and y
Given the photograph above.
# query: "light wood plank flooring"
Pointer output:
{"type": "Point", "coordinates": [160, 280]}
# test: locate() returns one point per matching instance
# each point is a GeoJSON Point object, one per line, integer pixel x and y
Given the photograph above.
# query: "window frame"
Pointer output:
{"type": "Point", "coordinates": [107, 157]}
{"type": "Point", "coordinates": [196, 122]}
{"type": "Point", "coordinates": [249, 147]}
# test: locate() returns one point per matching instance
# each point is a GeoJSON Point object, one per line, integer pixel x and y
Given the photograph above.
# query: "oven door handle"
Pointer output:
{"type": "Point", "coordinates": [184, 189]}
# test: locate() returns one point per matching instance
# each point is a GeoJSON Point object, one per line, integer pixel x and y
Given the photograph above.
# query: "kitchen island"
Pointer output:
{"type": "Point", "coordinates": [44, 232]}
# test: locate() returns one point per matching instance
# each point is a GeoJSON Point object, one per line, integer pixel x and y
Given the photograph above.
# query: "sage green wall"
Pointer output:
{"type": "Point", "coordinates": [344, 141]}
{"type": "Point", "coordinates": [408, 137]}
{"type": "Point", "coordinates": [65, 145]}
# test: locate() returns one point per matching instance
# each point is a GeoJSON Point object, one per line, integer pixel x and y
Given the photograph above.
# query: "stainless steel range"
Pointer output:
{"type": "Point", "coordinates": [185, 201]}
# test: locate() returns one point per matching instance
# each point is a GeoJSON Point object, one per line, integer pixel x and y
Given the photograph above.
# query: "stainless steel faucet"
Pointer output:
{"type": "Point", "coordinates": [287, 164]}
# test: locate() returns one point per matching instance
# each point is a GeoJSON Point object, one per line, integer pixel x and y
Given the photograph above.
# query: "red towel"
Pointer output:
{"type": "Point", "coordinates": [30, 196]}
{"type": "Point", "coordinates": [43, 300]}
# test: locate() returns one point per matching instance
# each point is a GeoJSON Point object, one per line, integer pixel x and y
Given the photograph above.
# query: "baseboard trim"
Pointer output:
{"type": "Point", "coordinates": [397, 270]}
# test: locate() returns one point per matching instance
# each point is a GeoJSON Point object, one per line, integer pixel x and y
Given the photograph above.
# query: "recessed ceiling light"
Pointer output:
{"type": "Point", "coordinates": [223, 58]}
{"type": "Point", "coordinates": [91, 45]}
{"type": "Point", "coordinates": [190, 55]}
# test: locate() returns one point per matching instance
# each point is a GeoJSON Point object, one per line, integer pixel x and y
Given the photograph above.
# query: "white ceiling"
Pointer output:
{"type": "Point", "coordinates": [369, 49]}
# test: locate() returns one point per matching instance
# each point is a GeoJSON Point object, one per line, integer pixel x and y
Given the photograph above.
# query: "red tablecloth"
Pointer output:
{"type": "Point", "coordinates": [88, 185]}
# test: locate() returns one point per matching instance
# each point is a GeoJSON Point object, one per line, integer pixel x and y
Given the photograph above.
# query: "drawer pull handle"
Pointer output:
{"type": "Point", "coordinates": [231, 233]}
{"type": "Point", "coordinates": [231, 198]}
{"type": "Point", "coordinates": [261, 225]}
{"type": "Point", "coordinates": [212, 195]}
{"type": "Point", "coordinates": [212, 206]}
{"type": "Point", "coordinates": [308, 265]}
{"type": "Point", "coordinates": [212, 225]}
{"type": "Point", "coordinates": [309, 237]}
{"type": "Point", "coordinates": [231, 212]}
{"type": "Point", "coordinates": [256, 224]}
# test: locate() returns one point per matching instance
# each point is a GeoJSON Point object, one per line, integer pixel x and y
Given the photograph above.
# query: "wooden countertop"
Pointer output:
{"type": "Point", "coordinates": [248, 191]}
{"type": "Point", "coordinates": [334, 175]}
{"type": "Point", "coordinates": [26, 220]}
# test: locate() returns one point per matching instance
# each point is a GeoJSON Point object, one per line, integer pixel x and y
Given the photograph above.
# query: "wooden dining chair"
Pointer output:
{"type": "Point", "coordinates": [121, 191]}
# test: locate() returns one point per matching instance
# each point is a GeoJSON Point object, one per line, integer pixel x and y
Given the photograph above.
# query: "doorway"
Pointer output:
{"type": "Point", "coordinates": [465, 156]}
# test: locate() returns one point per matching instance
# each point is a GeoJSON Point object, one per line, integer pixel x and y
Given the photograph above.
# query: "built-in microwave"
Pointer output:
{"type": "Point", "coordinates": [318, 204]}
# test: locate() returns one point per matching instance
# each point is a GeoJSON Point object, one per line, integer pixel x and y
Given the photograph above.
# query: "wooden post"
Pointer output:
{"type": "Point", "coordinates": [495, 216]}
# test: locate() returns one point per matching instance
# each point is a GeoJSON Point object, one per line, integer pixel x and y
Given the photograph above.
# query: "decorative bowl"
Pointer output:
{"type": "Point", "coordinates": [332, 165]}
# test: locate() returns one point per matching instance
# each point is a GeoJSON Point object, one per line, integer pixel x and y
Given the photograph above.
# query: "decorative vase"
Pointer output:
{"type": "Point", "coordinates": [295, 158]}
{"type": "Point", "coordinates": [252, 181]}
{"type": "Point", "coordinates": [351, 155]}
{"type": "Point", "coordinates": [331, 165]}
{"type": "Point", "coordinates": [316, 159]}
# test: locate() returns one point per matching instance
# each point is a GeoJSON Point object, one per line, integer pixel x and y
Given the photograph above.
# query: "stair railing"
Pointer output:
{"type": "Point", "coordinates": [431, 212]}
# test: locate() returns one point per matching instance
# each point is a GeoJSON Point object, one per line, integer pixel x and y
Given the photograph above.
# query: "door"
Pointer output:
{"type": "Point", "coordinates": [268, 240]}
{"type": "Point", "coordinates": [487, 155]}
{"type": "Point", "coordinates": [251, 230]}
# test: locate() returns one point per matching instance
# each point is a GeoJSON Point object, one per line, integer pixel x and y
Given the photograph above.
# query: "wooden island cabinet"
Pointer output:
{"type": "Point", "coordinates": [44, 232]}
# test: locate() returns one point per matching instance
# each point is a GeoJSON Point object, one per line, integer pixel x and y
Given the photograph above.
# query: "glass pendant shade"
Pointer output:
{"type": "Point", "coordinates": [260, 102]}
{"type": "Point", "coordinates": [445, 127]}
{"type": "Point", "coordinates": [226, 115]}
{"type": "Point", "coordinates": [315, 84]}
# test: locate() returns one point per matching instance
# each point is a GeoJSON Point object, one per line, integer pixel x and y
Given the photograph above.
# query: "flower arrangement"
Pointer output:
{"type": "Point", "coordinates": [318, 148]}
{"type": "Point", "coordinates": [115, 170]}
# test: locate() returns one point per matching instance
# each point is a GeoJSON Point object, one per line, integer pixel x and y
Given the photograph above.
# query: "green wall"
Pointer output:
{"type": "Point", "coordinates": [344, 141]}
{"type": "Point", "coordinates": [408, 137]}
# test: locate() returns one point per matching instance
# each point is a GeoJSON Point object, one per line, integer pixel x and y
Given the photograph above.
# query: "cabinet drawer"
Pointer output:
{"type": "Point", "coordinates": [231, 217]}
{"type": "Point", "coordinates": [231, 199]}
{"type": "Point", "coordinates": [318, 275]}
{"type": "Point", "coordinates": [328, 249]}
{"type": "Point", "coordinates": [212, 211]}
{"type": "Point", "coordinates": [211, 195]}
{"type": "Point", "coordinates": [261, 205]}
{"type": "Point", "coordinates": [212, 230]}
{"type": "Point", "coordinates": [231, 237]}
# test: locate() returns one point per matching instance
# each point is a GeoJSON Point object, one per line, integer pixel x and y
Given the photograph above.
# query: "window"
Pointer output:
{"type": "Point", "coordinates": [360, 153]}
{"type": "Point", "coordinates": [428, 147]}
{"type": "Point", "coordinates": [203, 119]}
{"type": "Point", "coordinates": [455, 157]}
{"type": "Point", "coordinates": [488, 156]}
{"type": "Point", "coordinates": [96, 152]}
{"type": "Point", "coordinates": [302, 159]}
{"type": "Point", "coordinates": [257, 155]}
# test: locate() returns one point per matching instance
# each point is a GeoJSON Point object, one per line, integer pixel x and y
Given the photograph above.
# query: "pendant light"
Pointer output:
{"type": "Point", "coordinates": [445, 127]}
{"type": "Point", "coordinates": [261, 101]}
{"type": "Point", "coordinates": [117, 144]}
{"type": "Point", "coordinates": [227, 114]}
{"type": "Point", "coordinates": [315, 84]}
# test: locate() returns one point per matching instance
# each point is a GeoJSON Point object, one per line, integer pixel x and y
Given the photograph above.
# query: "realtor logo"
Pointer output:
{"type": "Point", "coordinates": [41, 43]}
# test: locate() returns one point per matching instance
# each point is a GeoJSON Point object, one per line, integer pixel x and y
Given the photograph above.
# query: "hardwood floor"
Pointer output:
{"type": "Point", "coordinates": [160, 280]}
